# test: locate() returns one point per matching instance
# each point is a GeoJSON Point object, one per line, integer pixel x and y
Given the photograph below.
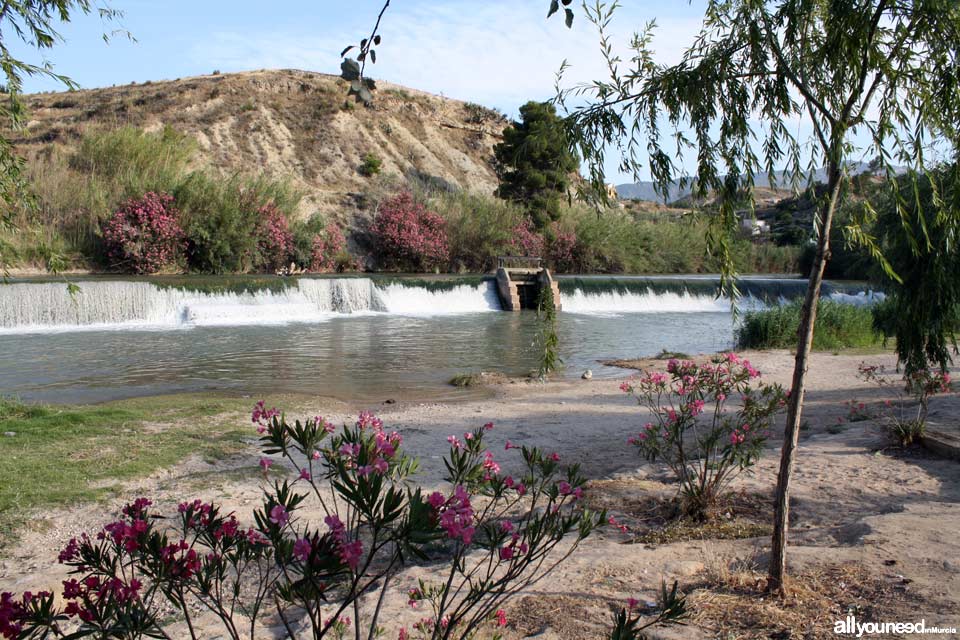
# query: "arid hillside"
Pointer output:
{"type": "Point", "coordinates": [290, 124]}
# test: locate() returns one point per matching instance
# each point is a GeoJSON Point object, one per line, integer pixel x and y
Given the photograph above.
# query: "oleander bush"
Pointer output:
{"type": "Point", "coordinates": [408, 236]}
{"type": "Point", "coordinates": [493, 533]}
{"type": "Point", "coordinates": [144, 235]}
{"type": "Point", "coordinates": [710, 423]}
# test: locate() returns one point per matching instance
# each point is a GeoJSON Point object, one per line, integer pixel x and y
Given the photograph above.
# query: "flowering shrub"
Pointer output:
{"type": "Point", "coordinates": [496, 533]}
{"type": "Point", "coordinates": [274, 240]}
{"type": "Point", "coordinates": [408, 236]}
{"type": "Point", "coordinates": [906, 428]}
{"type": "Point", "coordinates": [526, 240]}
{"type": "Point", "coordinates": [694, 430]}
{"type": "Point", "coordinates": [328, 248]}
{"type": "Point", "coordinates": [563, 244]}
{"type": "Point", "coordinates": [144, 235]}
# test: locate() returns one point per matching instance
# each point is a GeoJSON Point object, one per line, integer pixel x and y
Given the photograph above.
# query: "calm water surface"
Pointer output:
{"type": "Point", "coordinates": [371, 356]}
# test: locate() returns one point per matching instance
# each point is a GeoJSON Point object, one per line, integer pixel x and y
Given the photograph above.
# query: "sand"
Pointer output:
{"type": "Point", "coordinates": [893, 515]}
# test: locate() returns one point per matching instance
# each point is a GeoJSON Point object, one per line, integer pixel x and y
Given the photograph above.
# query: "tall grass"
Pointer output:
{"type": "Point", "coordinates": [839, 326]}
{"type": "Point", "coordinates": [76, 189]}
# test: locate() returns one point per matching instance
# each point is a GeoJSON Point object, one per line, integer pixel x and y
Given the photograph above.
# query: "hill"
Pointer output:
{"type": "Point", "coordinates": [290, 124]}
{"type": "Point", "coordinates": [644, 189]}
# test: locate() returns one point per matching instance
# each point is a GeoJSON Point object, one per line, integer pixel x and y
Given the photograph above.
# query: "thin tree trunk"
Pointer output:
{"type": "Point", "coordinates": [808, 317]}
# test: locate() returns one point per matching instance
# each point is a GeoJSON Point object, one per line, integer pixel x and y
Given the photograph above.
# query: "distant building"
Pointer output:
{"type": "Point", "coordinates": [753, 227]}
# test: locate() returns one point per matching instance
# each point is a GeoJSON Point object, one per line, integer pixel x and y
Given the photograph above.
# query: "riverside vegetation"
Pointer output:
{"type": "Point", "coordinates": [249, 224]}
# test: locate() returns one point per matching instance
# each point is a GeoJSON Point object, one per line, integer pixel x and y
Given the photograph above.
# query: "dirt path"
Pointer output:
{"type": "Point", "coordinates": [892, 514]}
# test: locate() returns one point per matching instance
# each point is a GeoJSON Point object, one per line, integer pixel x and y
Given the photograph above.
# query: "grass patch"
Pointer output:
{"type": "Point", "coordinates": [64, 454]}
{"type": "Point", "coordinates": [839, 326]}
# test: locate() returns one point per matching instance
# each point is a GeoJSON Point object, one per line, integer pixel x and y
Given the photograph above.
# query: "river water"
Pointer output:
{"type": "Point", "coordinates": [363, 338]}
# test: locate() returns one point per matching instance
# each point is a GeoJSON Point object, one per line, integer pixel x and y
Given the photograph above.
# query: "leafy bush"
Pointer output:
{"type": "Point", "coordinates": [479, 228]}
{"type": "Point", "coordinates": [920, 384]}
{"type": "Point", "coordinates": [328, 251]}
{"type": "Point", "coordinates": [222, 219]}
{"type": "Point", "coordinates": [371, 165]}
{"type": "Point", "coordinates": [497, 534]}
{"type": "Point", "coordinates": [144, 235]}
{"type": "Point", "coordinates": [408, 236]}
{"type": "Point", "coordinates": [527, 241]}
{"type": "Point", "coordinates": [704, 442]}
{"type": "Point", "coordinates": [274, 239]}
{"type": "Point", "coordinates": [561, 248]}
{"type": "Point", "coordinates": [839, 326]}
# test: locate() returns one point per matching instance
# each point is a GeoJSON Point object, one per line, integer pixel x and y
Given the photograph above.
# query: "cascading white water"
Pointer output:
{"type": "Point", "coordinates": [616, 302]}
{"type": "Point", "coordinates": [464, 298]}
{"type": "Point", "coordinates": [30, 307]}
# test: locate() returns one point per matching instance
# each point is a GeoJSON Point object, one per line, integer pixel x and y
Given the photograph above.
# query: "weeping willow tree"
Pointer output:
{"type": "Point", "coordinates": [34, 24]}
{"type": "Point", "coordinates": [865, 78]}
{"type": "Point", "coordinates": [923, 305]}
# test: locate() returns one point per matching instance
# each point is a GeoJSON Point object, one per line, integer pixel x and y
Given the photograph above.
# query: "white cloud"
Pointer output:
{"type": "Point", "coordinates": [498, 53]}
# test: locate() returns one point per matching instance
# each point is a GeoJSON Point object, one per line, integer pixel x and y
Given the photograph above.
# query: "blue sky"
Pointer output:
{"type": "Point", "coordinates": [497, 52]}
{"type": "Point", "coordinates": [500, 53]}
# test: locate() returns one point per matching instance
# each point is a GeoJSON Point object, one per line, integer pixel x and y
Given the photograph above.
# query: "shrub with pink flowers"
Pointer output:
{"type": "Point", "coordinates": [274, 239]}
{"type": "Point", "coordinates": [562, 248]}
{"type": "Point", "coordinates": [408, 236]}
{"type": "Point", "coordinates": [144, 235]}
{"type": "Point", "coordinates": [527, 241]}
{"type": "Point", "coordinates": [328, 250]}
{"type": "Point", "coordinates": [903, 424]}
{"type": "Point", "coordinates": [496, 534]}
{"type": "Point", "coordinates": [709, 424]}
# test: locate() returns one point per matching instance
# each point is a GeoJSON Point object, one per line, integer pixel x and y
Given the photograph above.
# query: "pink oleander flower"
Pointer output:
{"type": "Point", "coordinates": [501, 618]}
{"type": "Point", "coordinates": [305, 474]}
{"type": "Point", "coordinates": [506, 553]}
{"type": "Point", "coordinates": [510, 445]}
{"type": "Point", "coordinates": [265, 464]}
{"type": "Point", "coordinates": [302, 548]}
{"type": "Point", "coordinates": [632, 604]}
{"type": "Point", "coordinates": [279, 515]}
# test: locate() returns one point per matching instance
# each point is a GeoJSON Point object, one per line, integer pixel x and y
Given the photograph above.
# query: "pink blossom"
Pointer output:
{"type": "Point", "coordinates": [266, 463]}
{"type": "Point", "coordinates": [302, 548]}
{"type": "Point", "coordinates": [305, 474]}
{"type": "Point", "coordinates": [501, 618]}
{"type": "Point", "coordinates": [279, 515]}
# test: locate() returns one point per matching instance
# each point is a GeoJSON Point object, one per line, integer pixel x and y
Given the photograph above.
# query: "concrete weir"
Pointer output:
{"type": "Point", "coordinates": [519, 281]}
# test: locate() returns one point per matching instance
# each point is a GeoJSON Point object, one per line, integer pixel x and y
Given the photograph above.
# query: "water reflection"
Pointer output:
{"type": "Point", "coordinates": [375, 356]}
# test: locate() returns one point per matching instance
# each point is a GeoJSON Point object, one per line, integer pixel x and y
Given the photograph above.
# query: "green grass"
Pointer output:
{"type": "Point", "coordinates": [839, 326]}
{"type": "Point", "coordinates": [66, 454]}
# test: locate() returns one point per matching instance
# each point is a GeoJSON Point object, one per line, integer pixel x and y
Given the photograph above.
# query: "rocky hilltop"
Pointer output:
{"type": "Point", "coordinates": [293, 124]}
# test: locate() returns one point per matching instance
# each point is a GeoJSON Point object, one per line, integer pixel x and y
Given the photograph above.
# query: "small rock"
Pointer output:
{"type": "Point", "coordinates": [951, 566]}
{"type": "Point", "coordinates": [389, 401]}
{"type": "Point", "coordinates": [9, 434]}
{"type": "Point", "coordinates": [587, 375]}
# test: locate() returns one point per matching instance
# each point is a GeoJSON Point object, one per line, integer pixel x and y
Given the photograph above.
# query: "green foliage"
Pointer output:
{"type": "Point", "coordinates": [548, 339]}
{"type": "Point", "coordinates": [919, 230]}
{"type": "Point", "coordinates": [371, 165]}
{"type": "Point", "coordinates": [221, 217]}
{"type": "Point", "coordinates": [534, 162]}
{"type": "Point", "coordinates": [839, 326]}
{"type": "Point", "coordinates": [479, 228]}
{"type": "Point", "coordinates": [34, 24]}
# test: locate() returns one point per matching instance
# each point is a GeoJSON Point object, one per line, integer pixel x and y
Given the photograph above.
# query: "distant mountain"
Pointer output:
{"type": "Point", "coordinates": [644, 190]}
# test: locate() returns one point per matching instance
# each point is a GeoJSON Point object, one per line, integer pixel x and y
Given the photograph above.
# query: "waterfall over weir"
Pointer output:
{"type": "Point", "coordinates": [33, 307]}
{"type": "Point", "coordinates": [46, 306]}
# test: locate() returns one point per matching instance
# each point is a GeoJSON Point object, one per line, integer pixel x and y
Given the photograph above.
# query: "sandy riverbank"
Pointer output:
{"type": "Point", "coordinates": [890, 516]}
